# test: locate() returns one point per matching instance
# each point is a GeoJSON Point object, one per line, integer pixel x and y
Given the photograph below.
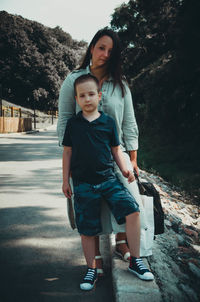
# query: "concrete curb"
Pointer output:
{"type": "Point", "coordinates": [128, 287]}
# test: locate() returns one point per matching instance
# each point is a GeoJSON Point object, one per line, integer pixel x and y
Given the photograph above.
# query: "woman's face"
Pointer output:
{"type": "Point", "coordinates": [101, 51]}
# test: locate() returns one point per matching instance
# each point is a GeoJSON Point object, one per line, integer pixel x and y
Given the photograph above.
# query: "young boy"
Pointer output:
{"type": "Point", "coordinates": [90, 142]}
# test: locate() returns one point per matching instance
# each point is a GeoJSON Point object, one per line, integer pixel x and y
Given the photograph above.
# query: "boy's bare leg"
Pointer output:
{"type": "Point", "coordinates": [98, 259]}
{"type": "Point", "coordinates": [97, 250]}
{"type": "Point", "coordinates": [133, 233]}
{"type": "Point", "coordinates": [136, 266]}
{"type": "Point", "coordinates": [88, 245]}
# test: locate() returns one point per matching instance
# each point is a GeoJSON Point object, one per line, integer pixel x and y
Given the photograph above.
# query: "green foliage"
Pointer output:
{"type": "Point", "coordinates": [34, 60]}
{"type": "Point", "coordinates": [161, 47]}
{"type": "Point", "coordinates": [149, 31]}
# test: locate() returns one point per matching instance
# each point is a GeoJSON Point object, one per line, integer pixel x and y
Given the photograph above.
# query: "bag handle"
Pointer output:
{"type": "Point", "coordinates": [135, 174]}
{"type": "Point", "coordinates": [140, 185]}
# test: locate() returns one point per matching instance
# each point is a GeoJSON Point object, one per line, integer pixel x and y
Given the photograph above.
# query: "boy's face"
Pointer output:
{"type": "Point", "coordinates": [87, 96]}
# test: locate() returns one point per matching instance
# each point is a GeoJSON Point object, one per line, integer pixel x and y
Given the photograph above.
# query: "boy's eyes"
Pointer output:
{"type": "Point", "coordinates": [83, 95]}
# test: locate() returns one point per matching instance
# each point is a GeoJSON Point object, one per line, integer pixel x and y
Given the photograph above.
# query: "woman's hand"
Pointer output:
{"type": "Point", "coordinates": [135, 167]}
{"type": "Point", "coordinates": [66, 188]}
{"type": "Point", "coordinates": [133, 159]}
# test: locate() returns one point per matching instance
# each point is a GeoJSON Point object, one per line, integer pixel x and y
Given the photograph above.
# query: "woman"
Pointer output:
{"type": "Point", "coordinates": [103, 60]}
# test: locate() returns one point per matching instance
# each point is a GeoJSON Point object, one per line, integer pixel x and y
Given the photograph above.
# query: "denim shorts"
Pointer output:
{"type": "Point", "coordinates": [87, 204]}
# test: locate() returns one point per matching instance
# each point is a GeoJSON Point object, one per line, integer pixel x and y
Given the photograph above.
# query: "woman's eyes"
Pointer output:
{"type": "Point", "coordinates": [103, 48]}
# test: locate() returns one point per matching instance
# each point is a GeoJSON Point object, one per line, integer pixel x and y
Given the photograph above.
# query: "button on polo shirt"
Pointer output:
{"type": "Point", "coordinates": [91, 143]}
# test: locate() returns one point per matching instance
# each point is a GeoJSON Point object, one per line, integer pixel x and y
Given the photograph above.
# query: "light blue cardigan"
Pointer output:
{"type": "Point", "coordinates": [118, 107]}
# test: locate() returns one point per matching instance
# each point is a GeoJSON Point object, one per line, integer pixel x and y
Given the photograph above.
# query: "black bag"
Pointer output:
{"type": "Point", "coordinates": [147, 188]}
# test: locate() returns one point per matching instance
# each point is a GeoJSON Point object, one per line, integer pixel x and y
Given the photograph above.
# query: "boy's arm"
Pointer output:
{"type": "Point", "coordinates": [120, 161]}
{"type": "Point", "coordinates": [67, 154]}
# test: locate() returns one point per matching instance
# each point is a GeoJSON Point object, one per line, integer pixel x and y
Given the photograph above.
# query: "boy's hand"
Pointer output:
{"type": "Point", "coordinates": [67, 189]}
{"type": "Point", "coordinates": [129, 174]}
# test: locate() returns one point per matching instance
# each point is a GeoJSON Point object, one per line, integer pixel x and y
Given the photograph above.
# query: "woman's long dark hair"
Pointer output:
{"type": "Point", "coordinates": [114, 62]}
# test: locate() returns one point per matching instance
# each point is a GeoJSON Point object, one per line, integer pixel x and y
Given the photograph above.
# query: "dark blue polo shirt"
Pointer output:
{"type": "Point", "coordinates": [91, 147]}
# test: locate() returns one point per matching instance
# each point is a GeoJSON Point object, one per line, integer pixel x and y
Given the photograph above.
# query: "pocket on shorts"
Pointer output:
{"type": "Point", "coordinates": [82, 188]}
{"type": "Point", "coordinates": [81, 192]}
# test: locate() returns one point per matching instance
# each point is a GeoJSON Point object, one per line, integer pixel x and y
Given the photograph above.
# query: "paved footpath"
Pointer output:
{"type": "Point", "coordinates": [40, 256]}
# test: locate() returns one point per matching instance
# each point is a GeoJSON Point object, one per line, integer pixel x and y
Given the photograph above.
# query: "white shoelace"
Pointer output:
{"type": "Point", "coordinates": [90, 275]}
{"type": "Point", "coordinates": [140, 264]}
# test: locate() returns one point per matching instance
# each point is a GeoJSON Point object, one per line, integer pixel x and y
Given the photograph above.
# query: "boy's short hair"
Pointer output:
{"type": "Point", "coordinates": [85, 78]}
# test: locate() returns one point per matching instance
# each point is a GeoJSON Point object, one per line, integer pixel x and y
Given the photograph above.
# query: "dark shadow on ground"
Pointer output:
{"type": "Point", "coordinates": [27, 152]}
{"type": "Point", "coordinates": [41, 259]}
{"type": "Point", "coordinates": [39, 178]}
{"type": "Point", "coordinates": [34, 137]}
{"type": "Point", "coordinates": [46, 147]}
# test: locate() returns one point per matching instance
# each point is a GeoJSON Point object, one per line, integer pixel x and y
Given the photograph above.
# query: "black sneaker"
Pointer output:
{"type": "Point", "coordinates": [138, 268]}
{"type": "Point", "coordinates": [89, 279]}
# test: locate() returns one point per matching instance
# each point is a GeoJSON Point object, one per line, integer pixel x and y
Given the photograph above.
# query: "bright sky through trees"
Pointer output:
{"type": "Point", "coordinates": [80, 18]}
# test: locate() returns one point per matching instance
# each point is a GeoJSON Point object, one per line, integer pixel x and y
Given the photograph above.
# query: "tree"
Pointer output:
{"type": "Point", "coordinates": [147, 30]}
{"type": "Point", "coordinates": [161, 46]}
{"type": "Point", "coordinates": [34, 60]}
